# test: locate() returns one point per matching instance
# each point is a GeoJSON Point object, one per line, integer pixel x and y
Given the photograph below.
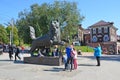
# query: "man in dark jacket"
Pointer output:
{"type": "Point", "coordinates": [17, 52]}
{"type": "Point", "coordinates": [10, 52]}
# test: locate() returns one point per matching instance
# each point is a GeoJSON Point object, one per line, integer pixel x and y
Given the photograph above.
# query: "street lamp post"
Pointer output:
{"type": "Point", "coordinates": [11, 31]}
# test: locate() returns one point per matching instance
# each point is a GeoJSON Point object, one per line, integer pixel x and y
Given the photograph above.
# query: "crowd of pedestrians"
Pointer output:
{"type": "Point", "coordinates": [13, 51]}
{"type": "Point", "coordinates": [69, 58]}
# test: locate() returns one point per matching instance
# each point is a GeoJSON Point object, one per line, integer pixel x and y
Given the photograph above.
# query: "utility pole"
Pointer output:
{"type": "Point", "coordinates": [10, 38]}
{"type": "Point", "coordinates": [12, 32]}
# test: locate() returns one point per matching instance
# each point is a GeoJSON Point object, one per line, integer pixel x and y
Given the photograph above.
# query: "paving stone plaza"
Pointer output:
{"type": "Point", "coordinates": [109, 69]}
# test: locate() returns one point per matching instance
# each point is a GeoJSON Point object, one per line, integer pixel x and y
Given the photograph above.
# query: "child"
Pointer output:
{"type": "Point", "coordinates": [65, 60]}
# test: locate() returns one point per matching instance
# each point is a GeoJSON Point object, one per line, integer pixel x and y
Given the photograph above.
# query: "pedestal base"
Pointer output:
{"type": "Point", "coordinates": [54, 61]}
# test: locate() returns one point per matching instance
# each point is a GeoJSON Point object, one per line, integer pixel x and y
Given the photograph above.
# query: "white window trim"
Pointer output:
{"type": "Point", "coordinates": [99, 30]}
{"type": "Point", "coordinates": [105, 29]}
{"type": "Point", "coordinates": [94, 30]}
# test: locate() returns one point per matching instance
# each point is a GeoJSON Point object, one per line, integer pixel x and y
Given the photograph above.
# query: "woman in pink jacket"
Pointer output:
{"type": "Point", "coordinates": [74, 54]}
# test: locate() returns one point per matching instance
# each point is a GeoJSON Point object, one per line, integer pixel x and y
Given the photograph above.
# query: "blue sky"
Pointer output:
{"type": "Point", "coordinates": [93, 10]}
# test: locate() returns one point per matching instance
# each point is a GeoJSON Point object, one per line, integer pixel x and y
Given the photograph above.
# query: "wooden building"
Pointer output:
{"type": "Point", "coordinates": [104, 33]}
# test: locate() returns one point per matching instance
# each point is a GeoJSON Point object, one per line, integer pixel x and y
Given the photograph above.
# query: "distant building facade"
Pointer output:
{"type": "Point", "coordinates": [87, 38]}
{"type": "Point", "coordinates": [101, 32]}
{"type": "Point", "coordinates": [104, 33]}
{"type": "Point", "coordinates": [81, 34]}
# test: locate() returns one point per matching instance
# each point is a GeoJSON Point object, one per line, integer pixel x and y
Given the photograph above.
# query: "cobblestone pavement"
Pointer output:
{"type": "Point", "coordinates": [109, 69]}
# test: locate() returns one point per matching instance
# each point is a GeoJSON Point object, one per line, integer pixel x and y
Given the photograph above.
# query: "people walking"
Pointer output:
{"type": "Point", "coordinates": [17, 52]}
{"type": "Point", "coordinates": [97, 54]}
{"type": "Point", "coordinates": [10, 52]}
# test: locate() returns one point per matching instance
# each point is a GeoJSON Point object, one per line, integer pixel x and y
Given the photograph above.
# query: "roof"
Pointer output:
{"type": "Point", "coordinates": [87, 31]}
{"type": "Point", "coordinates": [101, 23]}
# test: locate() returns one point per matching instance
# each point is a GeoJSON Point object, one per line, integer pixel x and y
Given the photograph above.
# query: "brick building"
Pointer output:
{"type": "Point", "coordinates": [87, 38]}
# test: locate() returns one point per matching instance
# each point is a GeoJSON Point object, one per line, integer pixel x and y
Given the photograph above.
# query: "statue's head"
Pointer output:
{"type": "Point", "coordinates": [55, 24]}
{"type": "Point", "coordinates": [55, 31]}
{"type": "Point", "coordinates": [32, 32]}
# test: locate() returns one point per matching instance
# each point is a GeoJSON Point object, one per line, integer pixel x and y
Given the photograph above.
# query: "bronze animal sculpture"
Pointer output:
{"type": "Point", "coordinates": [45, 41]}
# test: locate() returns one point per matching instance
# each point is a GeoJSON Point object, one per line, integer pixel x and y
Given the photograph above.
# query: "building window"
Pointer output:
{"type": "Point", "coordinates": [99, 30]}
{"type": "Point", "coordinates": [106, 38]}
{"type": "Point", "coordinates": [105, 29]}
{"type": "Point", "coordinates": [94, 39]}
{"type": "Point", "coordinates": [94, 30]}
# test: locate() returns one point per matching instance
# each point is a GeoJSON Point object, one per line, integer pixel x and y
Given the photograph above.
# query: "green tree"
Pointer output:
{"type": "Point", "coordinates": [40, 17]}
{"type": "Point", "coordinates": [3, 34]}
{"type": "Point", "coordinates": [15, 37]}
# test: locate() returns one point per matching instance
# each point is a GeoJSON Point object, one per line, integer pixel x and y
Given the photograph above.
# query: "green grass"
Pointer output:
{"type": "Point", "coordinates": [84, 48]}
{"type": "Point", "coordinates": [26, 44]}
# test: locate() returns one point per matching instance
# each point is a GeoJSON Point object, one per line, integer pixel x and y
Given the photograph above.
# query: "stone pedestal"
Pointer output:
{"type": "Point", "coordinates": [53, 61]}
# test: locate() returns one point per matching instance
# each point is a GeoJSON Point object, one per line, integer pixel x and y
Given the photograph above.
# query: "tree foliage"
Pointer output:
{"type": "Point", "coordinates": [40, 17]}
{"type": "Point", "coordinates": [15, 38]}
{"type": "Point", "coordinates": [3, 35]}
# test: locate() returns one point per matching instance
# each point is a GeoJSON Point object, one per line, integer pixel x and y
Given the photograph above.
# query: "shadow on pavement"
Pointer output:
{"type": "Point", "coordinates": [111, 58]}
{"type": "Point", "coordinates": [6, 60]}
{"type": "Point", "coordinates": [86, 65]}
{"type": "Point", "coordinates": [16, 62]}
{"type": "Point", "coordinates": [54, 69]}
{"type": "Point", "coordinates": [105, 57]}
{"type": "Point", "coordinates": [19, 62]}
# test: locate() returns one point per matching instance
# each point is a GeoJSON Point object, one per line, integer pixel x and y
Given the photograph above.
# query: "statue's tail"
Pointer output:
{"type": "Point", "coordinates": [32, 32]}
